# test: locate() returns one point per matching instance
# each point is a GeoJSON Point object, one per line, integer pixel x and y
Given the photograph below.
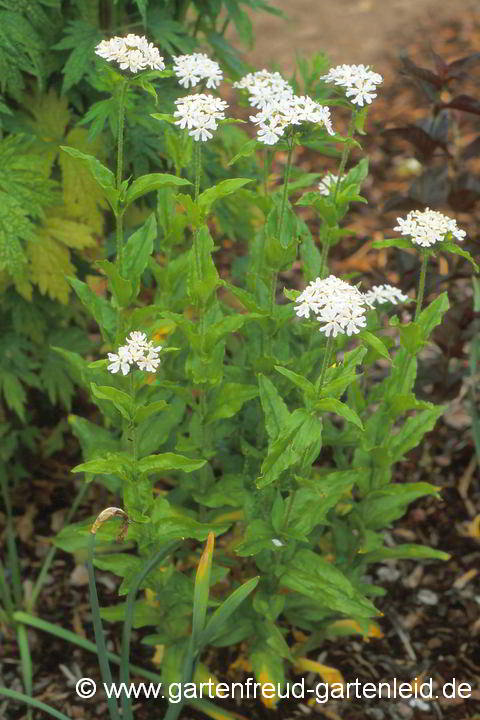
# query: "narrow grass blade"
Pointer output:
{"type": "Point", "coordinates": [128, 622]}
{"type": "Point", "coordinates": [97, 626]}
{"type": "Point", "coordinates": [20, 697]}
{"type": "Point", "coordinates": [202, 588]}
{"type": "Point", "coordinates": [226, 609]}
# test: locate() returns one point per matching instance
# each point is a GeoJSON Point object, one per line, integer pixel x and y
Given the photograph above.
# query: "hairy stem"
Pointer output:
{"type": "Point", "coordinates": [325, 364]}
{"type": "Point", "coordinates": [120, 139]}
{"type": "Point", "coordinates": [421, 285]}
{"type": "Point", "coordinates": [283, 207]}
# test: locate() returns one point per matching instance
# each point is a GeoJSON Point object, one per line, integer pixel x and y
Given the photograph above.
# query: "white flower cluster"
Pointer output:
{"type": "Point", "coordinates": [427, 227]}
{"type": "Point", "coordinates": [288, 110]}
{"type": "Point", "coordinates": [340, 306]}
{"type": "Point", "coordinates": [360, 82]}
{"type": "Point", "coordinates": [199, 113]}
{"type": "Point", "coordinates": [190, 69]}
{"type": "Point", "coordinates": [264, 87]}
{"type": "Point", "coordinates": [131, 53]}
{"type": "Point", "coordinates": [328, 183]}
{"type": "Point", "coordinates": [385, 293]}
{"type": "Point", "coordinates": [138, 351]}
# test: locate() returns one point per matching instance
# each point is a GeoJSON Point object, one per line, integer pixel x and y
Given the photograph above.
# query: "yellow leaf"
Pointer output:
{"type": "Point", "coordinates": [328, 674]}
{"type": "Point", "coordinates": [204, 675]}
{"type": "Point", "coordinates": [70, 232]}
{"type": "Point", "coordinates": [80, 191]}
{"type": "Point", "coordinates": [51, 117]}
{"type": "Point", "coordinates": [49, 264]}
{"type": "Point", "coordinates": [351, 627]}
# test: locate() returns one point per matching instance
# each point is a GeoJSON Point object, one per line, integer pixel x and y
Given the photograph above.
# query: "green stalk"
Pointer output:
{"type": "Point", "coordinates": [283, 207]}
{"type": "Point", "coordinates": [120, 142]}
{"type": "Point", "coordinates": [345, 153]}
{"type": "Point", "coordinates": [30, 604]}
{"type": "Point", "coordinates": [5, 594]}
{"type": "Point", "coordinates": [197, 156]}
{"type": "Point", "coordinates": [324, 255]}
{"type": "Point", "coordinates": [26, 662]}
{"type": "Point", "coordinates": [421, 285]}
{"type": "Point", "coordinates": [20, 697]}
{"type": "Point", "coordinates": [325, 364]}
{"type": "Point", "coordinates": [174, 710]}
{"type": "Point", "coordinates": [11, 544]}
{"type": "Point", "coordinates": [128, 623]}
{"type": "Point", "coordinates": [97, 626]}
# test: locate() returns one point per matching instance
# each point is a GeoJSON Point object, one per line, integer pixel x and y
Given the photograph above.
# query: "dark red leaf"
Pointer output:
{"type": "Point", "coordinates": [467, 103]}
{"type": "Point", "coordinates": [455, 69]}
{"type": "Point", "coordinates": [421, 140]}
{"type": "Point", "coordinates": [420, 73]}
{"type": "Point", "coordinates": [432, 187]}
{"type": "Point", "coordinates": [472, 149]}
{"type": "Point", "coordinates": [440, 65]}
{"type": "Point", "coordinates": [465, 192]}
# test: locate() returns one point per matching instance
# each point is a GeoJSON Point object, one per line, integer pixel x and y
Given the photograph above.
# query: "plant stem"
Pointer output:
{"type": "Point", "coordinates": [421, 285]}
{"type": "Point", "coordinates": [324, 256]}
{"type": "Point", "coordinates": [197, 154]}
{"type": "Point", "coordinates": [120, 139]}
{"type": "Point", "coordinates": [345, 153]}
{"type": "Point", "coordinates": [325, 364]}
{"type": "Point", "coordinates": [97, 626]}
{"type": "Point", "coordinates": [267, 158]}
{"type": "Point", "coordinates": [128, 623]}
{"type": "Point", "coordinates": [283, 207]}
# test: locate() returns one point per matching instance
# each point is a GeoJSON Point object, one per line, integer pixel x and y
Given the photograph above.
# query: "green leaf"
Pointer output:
{"type": "Point", "coordinates": [104, 177]}
{"type": "Point", "coordinates": [413, 430]}
{"type": "Point", "coordinates": [203, 278]}
{"type": "Point", "coordinates": [339, 408]}
{"type": "Point", "coordinates": [406, 551]}
{"type": "Point", "coordinates": [375, 343]}
{"type": "Point", "coordinates": [168, 461]}
{"type": "Point", "coordinates": [312, 576]}
{"type": "Point", "coordinates": [81, 38]}
{"type": "Point", "coordinates": [455, 249]}
{"type": "Point", "coordinates": [401, 243]}
{"type": "Point", "coordinates": [122, 290]}
{"type": "Point", "coordinates": [274, 408]}
{"type": "Point", "coordinates": [229, 400]}
{"type": "Point", "coordinates": [121, 400]}
{"type": "Point", "coordinates": [100, 309]}
{"type": "Point", "coordinates": [298, 380]}
{"type": "Point", "coordinates": [112, 463]}
{"type": "Point", "coordinates": [219, 191]}
{"type": "Point", "coordinates": [147, 183]}
{"type": "Point", "coordinates": [201, 591]}
{"type": "Point", "coordinates": [246, 150]}
{"type": "Point", "coordinates": [143, 413]}
{"type": "Point", "coordinates": [218, 620]}
{"type": "Point", "coordinates": [381, 507]}
{"type": "Point", "coordinates": [138, 249]}
{"type": "Point", "coordinates": [432, 315]}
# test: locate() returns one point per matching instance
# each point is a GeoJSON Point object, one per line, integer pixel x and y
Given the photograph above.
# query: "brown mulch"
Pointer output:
{"type": "Point", "coordinates": [431, 618]}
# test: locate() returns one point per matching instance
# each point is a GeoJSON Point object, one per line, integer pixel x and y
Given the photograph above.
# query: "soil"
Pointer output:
{"type": "Point", "coordinates": [352, 31]}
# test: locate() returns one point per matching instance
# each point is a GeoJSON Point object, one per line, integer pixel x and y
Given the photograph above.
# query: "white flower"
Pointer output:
{"type": "Point", "coordinates": [132, 53]}
{"type": "Point", "coordinates": [339, 306]}
{"type": "Point", "coordinates": [328, 183]}
{"type": "Point", "coordinates": [285, 110]}
{"type": "Point", "coordinates": [121, 361]}
{"type": "Point", "coordinates": [199, 114]}
{"type": "Point", "coordinates": [427, 227]}
{"type": "Point", "coordinates": [360, 82]}
{"type": "Point", "coordinates": [385, 293]}
{"type": "Point", "coordinates": [190, 69]}
{"type": "Point", "coordinates": [138, 351]}
{"type": "Point", "coordinates": [264, 87]}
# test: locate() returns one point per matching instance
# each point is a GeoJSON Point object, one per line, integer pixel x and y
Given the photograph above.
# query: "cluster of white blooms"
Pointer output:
{"type": "Point", "coordinates": [138, 351]}
{"type": "Point", "coordinates": [131, 53]}
{"type": "Point", "coordinates": [199, 113]}
{"type": "Point", "coordinates": [190, 69]}
{"type": "Point", "coordinates": [328, 183]}
{"type": "Point", "coordinates": [288, 110]}
{"type": "Point", "coordinates": [360, 82]}
{"type": "Point", "coordinates": [340, 306]}
{"type": "Point", "coordinates": [427, 227]}
{"type": "Point", "coordinates": [264, 87]}
{"type": "Point", "coordinates": [385, 293]}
